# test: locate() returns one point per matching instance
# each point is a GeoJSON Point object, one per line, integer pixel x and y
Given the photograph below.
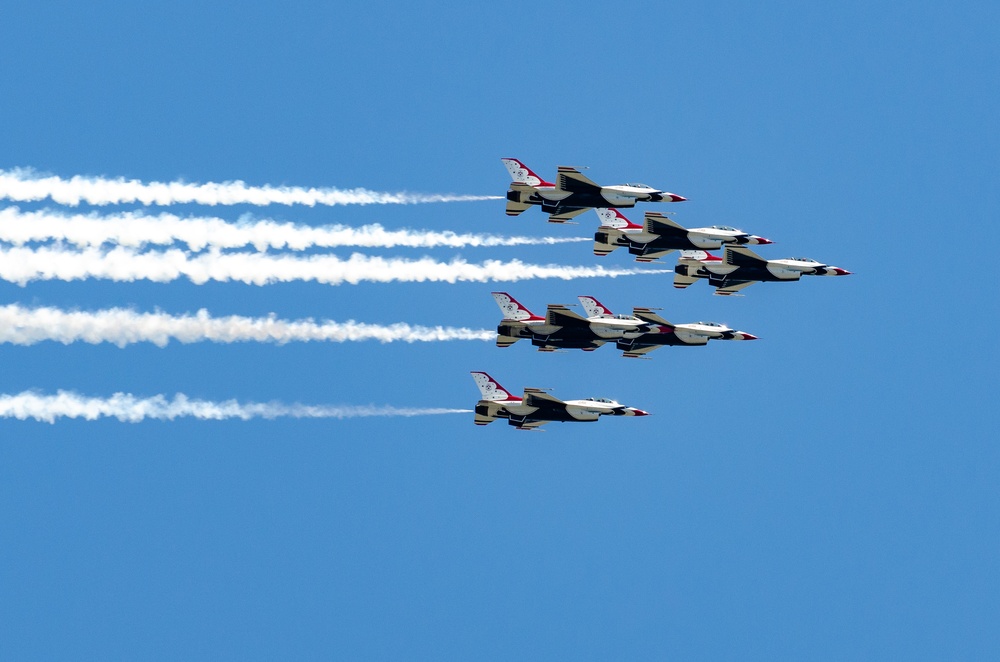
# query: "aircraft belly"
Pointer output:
{"type": "Point", "coordinates": [582, 414]}
{"type": "Point", "coordinates": [704, 243]}
{"type": "Point", "coordinates": [688, 338]}
{"type": "Point", "coordinates": [668, 339]}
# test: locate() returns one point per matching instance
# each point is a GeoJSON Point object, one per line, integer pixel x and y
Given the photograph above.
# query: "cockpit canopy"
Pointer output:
{"type": "Point", "coordinates": [710, 324]}
{"type": "Point", "coordinates": [602, 400]}
{"type": "Point", "coordinates": [637, 185]}
{"type": "Point", "coordinates": [803, 259]}
{"type": "Point", "coordinates": [728, 228]}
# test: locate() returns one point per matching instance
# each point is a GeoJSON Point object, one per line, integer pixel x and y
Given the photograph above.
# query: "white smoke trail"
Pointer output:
{"type": "Point", "coordinates": [119, 326]}
{"type": "Point", "coordinates": [137, 230]}
{"type": "Point", "coordinates": [22, 265]}
{"type": "Point", "coordinates": [24, 184]}
{"type": "Point", "coordinates": [130, 409]}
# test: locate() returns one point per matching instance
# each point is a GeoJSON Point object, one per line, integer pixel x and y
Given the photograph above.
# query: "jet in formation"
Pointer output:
{"type": "Point", "coordinates": [572, 193]}
{"type": "Point", "coordinates": [740, 267]}
{"type": "Point", "coordinates": [660, 235]}
{"type": "Point", "coordinates": [537, 407]}
{"type": "Point", "coordinates": [636, 334]}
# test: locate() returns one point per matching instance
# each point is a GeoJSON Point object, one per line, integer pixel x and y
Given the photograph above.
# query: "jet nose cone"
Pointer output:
{"type": "Point", "coordinates": [637, 412]}
{"type": "Point", "coordinates": [761, 241]}
{"type": "Point", "coordinates": [743, 335]}
{"type": "Point", "coordinates": [673, 197]}
{"type": "Point", "coordinates": [837, 271]}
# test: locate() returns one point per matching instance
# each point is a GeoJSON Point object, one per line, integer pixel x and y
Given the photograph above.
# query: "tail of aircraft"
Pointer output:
{"type": "Point", "coordinates": [512, 309]}
{"type": "Point", "coordinates": [517, 195]}
{"type": "Point", "coordinates": [491, 389]}
{"type": "Point", "coordinates": [613, 218]}
{"type": "Point", "coordinates": [522, 174]}
{"type": "Point", "coordinates": [594, 307]}
{"type": "Point", "coordinates": [611, 233]}
{"type": "Point", "coordinates": [515, 316]}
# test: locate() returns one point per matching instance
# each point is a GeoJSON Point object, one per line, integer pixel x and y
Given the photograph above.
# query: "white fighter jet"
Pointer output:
{"type": "Point", "coordinates": [740, 267]}
{"type": "Point", "coordinates": [561, 328]}
{"type": "Point", "coordinates": [572, 193]}
{"type": "Point", "coordinates": [659, 235]}
{"type": "Point", "coordinates": [538, 407]}
{"type": "Point", "coordinates": [675, 335]}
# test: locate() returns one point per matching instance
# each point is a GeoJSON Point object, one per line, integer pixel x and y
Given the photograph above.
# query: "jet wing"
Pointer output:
{"type": "Point", "coordinates": [656, 223]}
{"type": "Point", "coordinates": [638, 351]}
{"type": "Point", "coordinates": [647, 315]}
{"type": "Point", "coordinates": [558, 315]}
{"type": "Point", "coordinates": [564, 216]}
{"type": "Point", "coordinates": [734, 286]}
{"type": "Point", "coordinates": [571, 179]}
{"type": "Point", "coordinates": [528, 425]}
{"type": "Point", "coordinates": [537, 398]}
{"type": "Point", "coordinates": [743, 257]}
{"type": "Point", "coordinates": [651, 255]}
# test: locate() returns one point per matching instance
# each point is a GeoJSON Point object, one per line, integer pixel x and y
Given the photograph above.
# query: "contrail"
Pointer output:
{"type": "Point", "coordinates": [26, 185]}
{"type": "Point", "coordinates": [22, 265]}
{"type": "Point", "coordinates": [137, 230]}
{"type": "Point", "coordinates": [120, 326]}
{"type": "Point", "coordinates": [131, 409]}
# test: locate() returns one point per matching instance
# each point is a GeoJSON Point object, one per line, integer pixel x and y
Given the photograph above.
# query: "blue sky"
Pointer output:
{"type": "Point", "coordinates": [826, 492]}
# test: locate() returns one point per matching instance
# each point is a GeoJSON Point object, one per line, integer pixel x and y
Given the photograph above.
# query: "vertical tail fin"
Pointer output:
{"type": "Point", "coordinates": [491, 389]}
{"type": "Point", "coordinates": [594, 307]}
{"type": "Point", "coordinates": [523, 174]}
{"type": "Point", "coordinates": [512, 308]}
{"type": "Point", "coordinates": [613, 218]}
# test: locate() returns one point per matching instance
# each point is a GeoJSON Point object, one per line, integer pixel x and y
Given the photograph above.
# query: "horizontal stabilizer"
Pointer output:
{"type": "Point", "coordinates": [515, 208]}
{"type": "Point", "coordinates": [483, 420]}
{"type": "Point", "coordinates": [506, 341]}
{"type": "Point", "coordinates": [680, 282]}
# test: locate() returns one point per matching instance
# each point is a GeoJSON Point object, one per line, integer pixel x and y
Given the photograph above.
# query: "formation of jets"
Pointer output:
{"type": "Point", "coordinates": [635, 334]}
{"type": "Point", "coordinates": [644, 330]}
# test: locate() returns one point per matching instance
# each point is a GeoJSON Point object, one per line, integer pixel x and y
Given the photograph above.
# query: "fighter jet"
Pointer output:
{"type": "Point", "coordinates": [659, 235]}
{"type": "Point", "coordinates": [537, 407]}
{"type": "Point", "coordinates": [698, 333]}
{"type": "Point", "coordinates": [561, 328]}
{"type": "Point", "coordinates": [572, 194]}
{"type": "Point", "coordinates": [740, 267]}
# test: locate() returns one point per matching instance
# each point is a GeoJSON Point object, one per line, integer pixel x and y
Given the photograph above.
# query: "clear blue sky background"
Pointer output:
{"type": "Point", "coordinates": [828, 492]}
